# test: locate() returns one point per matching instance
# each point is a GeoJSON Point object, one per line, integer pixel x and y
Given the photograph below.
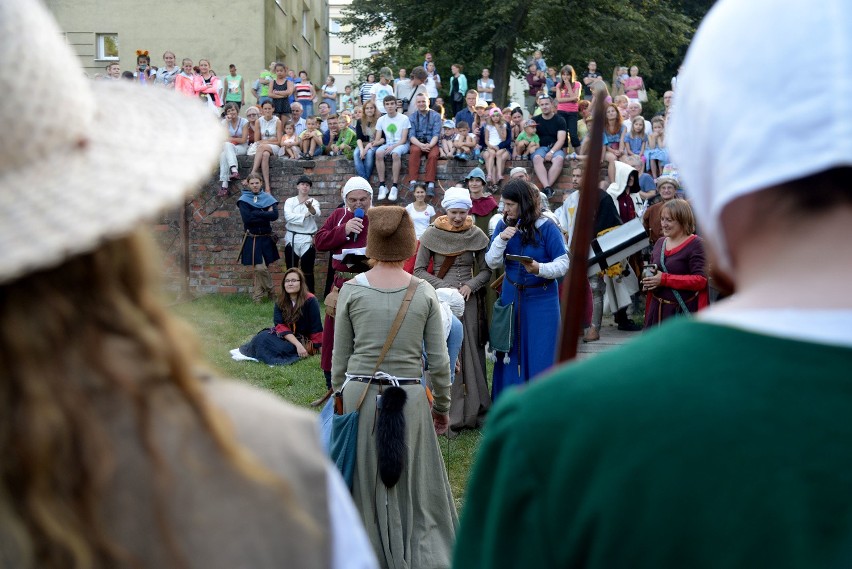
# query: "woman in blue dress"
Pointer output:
{"type": "Point", "coordinates": [530, 286]}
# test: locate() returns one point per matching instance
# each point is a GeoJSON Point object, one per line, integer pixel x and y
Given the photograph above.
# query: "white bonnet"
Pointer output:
{"type": "Point", "coordinates": [356, 183]}
{"type": "Point", "coordinates": [457, 198]}
{"type": "Point", "coordinates": [762, 100]}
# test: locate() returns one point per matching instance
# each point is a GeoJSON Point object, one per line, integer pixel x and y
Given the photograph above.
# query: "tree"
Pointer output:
{"type": "Point", "coordinates": [497, 34]}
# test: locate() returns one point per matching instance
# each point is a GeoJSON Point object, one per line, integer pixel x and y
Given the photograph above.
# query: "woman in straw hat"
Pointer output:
{"type": "Point", "coordinates": [456, 249]}
{"type": "Point", "coordinates": [404, 497]}
{"type": "Point", "coordinates": [117, 453]}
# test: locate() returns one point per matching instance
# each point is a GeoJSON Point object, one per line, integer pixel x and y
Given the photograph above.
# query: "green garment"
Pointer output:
{"type": "Point", "coordinates": [348, 137]}
{"type": "Point", "coordinates": [694, 446]}
{"type": "Point", "coordinates": [264, 89]}
{"type": "Point", "coordinates": [413, 524]}
{"type": "Point", "coordinates": [233, 91]}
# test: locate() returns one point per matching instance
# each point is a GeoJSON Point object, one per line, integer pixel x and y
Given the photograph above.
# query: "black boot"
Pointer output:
{"type": "Point", "coordinates": [624, 323]}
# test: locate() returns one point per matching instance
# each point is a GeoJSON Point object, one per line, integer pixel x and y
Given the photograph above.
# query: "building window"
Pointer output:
{"type": "Point", "coordinates": [333, 27]}
{"type": "Point", "coordinates": [305, 24]}
{"type": "Point", "coordinates": [340, 65]}
{"type": "Point", "coordinates": [107, 47]}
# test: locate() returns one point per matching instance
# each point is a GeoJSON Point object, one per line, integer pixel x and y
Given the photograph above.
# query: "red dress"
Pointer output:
{"type": "Point", "coordinates": [685, 273]}
{"type": "Point", "coordinates": [332, 237]}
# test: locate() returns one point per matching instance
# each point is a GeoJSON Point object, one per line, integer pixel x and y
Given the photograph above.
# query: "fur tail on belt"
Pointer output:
{"type": "Point", "coordinates": [390, 435]}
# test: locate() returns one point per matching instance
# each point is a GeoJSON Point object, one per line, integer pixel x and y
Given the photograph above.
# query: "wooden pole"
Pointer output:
{"type": "Point", "coordinates": [574, 294]}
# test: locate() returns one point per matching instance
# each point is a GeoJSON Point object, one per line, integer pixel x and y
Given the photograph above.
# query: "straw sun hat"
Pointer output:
{"type": "Point", "coordinates": [90, 162]}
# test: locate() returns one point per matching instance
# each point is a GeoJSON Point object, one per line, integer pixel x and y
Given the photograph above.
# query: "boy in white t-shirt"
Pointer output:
{"type": "Point", "coordinates": [382, 89]}
{"type": "Point", "coordinates": [391, 138]}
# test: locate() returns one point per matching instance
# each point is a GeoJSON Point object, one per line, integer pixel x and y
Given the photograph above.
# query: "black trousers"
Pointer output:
{"type": "Point", "coordinates": [571, 123]}
{"type": "Point", "coordinates": [305, 263]}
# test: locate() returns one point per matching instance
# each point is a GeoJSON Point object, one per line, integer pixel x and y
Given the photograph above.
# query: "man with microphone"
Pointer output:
{"type": "Point", "coordinates": [344, 235]}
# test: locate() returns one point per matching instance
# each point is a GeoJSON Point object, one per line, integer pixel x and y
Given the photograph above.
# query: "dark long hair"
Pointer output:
{"type": "Point", "coordinates": [572, 78]}
{"type": "Point", "coordinates": [526, 196]}
{"type": "Point", "coordinates": [291, 311]}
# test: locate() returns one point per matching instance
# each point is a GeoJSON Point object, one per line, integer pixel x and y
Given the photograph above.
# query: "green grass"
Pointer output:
{"type": "Point", "coordinates": [223, 323]}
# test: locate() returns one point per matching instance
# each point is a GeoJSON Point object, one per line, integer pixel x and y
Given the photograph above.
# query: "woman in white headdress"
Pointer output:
{"type": "Point", "coordinates": [456, 247]}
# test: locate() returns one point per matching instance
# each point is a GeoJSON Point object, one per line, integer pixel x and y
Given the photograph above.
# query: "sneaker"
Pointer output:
{"type": "Point", "coordinates": [548, 191]}
{"type": "Point", "coordinates": [430, 189]}
{"type": "Point", "coordinates": [462, 156]}
{"type": "Point", "coordinates": [223, 191]}
{"type": "Point", "coordinates": [411, 185]}
{"type": "Point", "coordinates": [394, 193]}
{"type": "Point", "coordinates": [383, 191]}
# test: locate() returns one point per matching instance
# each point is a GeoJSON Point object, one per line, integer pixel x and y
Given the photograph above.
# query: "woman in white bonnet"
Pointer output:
{"type": "Point", "coordinates": [118, 450]}
{"type": "Point", "coordinates": [456, 246]}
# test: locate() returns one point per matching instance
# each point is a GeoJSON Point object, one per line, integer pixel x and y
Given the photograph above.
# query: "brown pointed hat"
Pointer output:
{"type": "Point", "coordinates": [390, 234]}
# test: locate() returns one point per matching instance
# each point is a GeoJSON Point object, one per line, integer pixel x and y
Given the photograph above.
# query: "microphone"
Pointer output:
{"type": "Point", "coordinates": [359, 213]}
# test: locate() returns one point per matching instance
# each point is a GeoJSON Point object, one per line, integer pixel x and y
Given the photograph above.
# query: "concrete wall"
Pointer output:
{"type": "Point", "coordinates": [215, 227]}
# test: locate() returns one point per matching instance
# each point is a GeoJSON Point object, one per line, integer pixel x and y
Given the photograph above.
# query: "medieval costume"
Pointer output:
{"type": "Point", "coordinates": [259, 247]}
{"type": "Point", "coordinates": [683, 289]}
{"type": "Point", "coordinates": [458, 258]}
{"type": "Point", "coordinates": [348, 258]}
{"type": "Point", "coordinates": [409, 515]}
{"type": "Point", "coordinates": [271, 346]}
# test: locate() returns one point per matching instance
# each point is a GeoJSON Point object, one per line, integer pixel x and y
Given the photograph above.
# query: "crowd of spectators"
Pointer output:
{"type": "Point", "coordinates": [317, 120]}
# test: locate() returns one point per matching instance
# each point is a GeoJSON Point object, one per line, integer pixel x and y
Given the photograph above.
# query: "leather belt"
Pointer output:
{"type": "Point", "coordinates": [377, 381]}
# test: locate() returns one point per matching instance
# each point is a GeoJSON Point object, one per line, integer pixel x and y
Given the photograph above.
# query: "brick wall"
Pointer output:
{"type": "Point", "coordinates": [215, 228]}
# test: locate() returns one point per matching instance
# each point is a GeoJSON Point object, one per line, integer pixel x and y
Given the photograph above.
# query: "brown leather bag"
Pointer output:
{"type": "Point", "coordinates": [331, 301]}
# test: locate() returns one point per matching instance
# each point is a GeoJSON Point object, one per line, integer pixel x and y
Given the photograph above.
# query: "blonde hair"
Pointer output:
{"type": "Point", "coordinates": [681, 212]}
{"type": "Point", "coordinates": [56, 328]}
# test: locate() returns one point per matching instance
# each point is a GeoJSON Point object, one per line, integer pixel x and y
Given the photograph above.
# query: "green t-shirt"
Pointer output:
{"type": "Point", "coordinates": [524, 137]}
{"type": "Point", "coordinates": [694, 446]}
{"type": "Point", "coordinates": [264, 89]}
{"type": "Point", "coordinates": [348, 137]}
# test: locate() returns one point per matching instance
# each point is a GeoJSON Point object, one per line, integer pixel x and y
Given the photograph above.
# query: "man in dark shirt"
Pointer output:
{"type": "Point", "coordinates": [552, 133]}
{"type": "Point", "coordinates": [590, 77]}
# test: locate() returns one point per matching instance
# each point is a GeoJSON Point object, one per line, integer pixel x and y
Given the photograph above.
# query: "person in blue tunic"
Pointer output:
{"type": "Point", "coordinates": [296, 330]}
{"type": "Point", "coordinates": [529, 286]}
{"type": "Point", "coordinates": [258, 209]}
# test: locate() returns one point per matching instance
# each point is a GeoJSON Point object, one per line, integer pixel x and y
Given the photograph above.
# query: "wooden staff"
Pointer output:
{"type": "Point", "coordinates": [574, 295]}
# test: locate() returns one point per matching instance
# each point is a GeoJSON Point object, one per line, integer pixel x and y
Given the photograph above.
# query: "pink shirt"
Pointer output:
{"type": "Point", "coordinates": [632, 86]}
{"type": "Point", "coordinates": [567, 107]}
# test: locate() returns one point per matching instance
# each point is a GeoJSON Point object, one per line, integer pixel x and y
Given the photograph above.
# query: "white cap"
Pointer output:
{"type": "Point", "coordinates": [744, 119]}
{"type": "Point", "coordinates": [457, 198]}
{"type": "Point", "coordinates": [356, 183]}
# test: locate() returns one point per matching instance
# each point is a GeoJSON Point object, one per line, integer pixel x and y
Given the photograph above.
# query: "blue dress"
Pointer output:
{"type": "Point", "coordinates": [536, 309]}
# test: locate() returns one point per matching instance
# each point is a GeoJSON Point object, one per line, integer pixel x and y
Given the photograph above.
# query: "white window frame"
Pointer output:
{"type": "Point", "coordinates": [100, 50]}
